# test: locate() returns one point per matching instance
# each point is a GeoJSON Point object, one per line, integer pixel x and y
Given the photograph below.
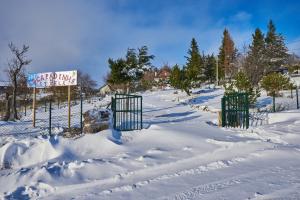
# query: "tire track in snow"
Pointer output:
{"type": "Point", "coordinates": [193, 171]}
{"type": "Point", "coordinates": [137, 179]}
{"type": "Point", "coordinates": [255, 180]}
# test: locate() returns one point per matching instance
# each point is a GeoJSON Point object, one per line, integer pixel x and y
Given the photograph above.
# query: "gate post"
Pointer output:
{"type": "Point", "coordinates": [223, 124]}
{"type": "Point", "coordinates": [247, 111]}
{"type": "Point", "coordinates": [297, 97]}
{"type": "Point", "coordinates": [274, 103]}
{"type": "Point", "coordinates": [141, 112]}
{"type": "Point", "coordinates": [114, 111]}
{"type": "Point", "coordinates": [33, 107]}
{"type": "Point", "coordinates": [50, 111]}
{"type": "Point", "coordinates": [81, 99]}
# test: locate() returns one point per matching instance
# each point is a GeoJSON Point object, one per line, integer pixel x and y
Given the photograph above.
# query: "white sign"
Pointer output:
{"type": "Point", "coordinates": [50, 79]}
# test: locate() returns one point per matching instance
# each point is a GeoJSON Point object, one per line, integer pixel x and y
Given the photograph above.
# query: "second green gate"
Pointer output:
{"type": "Point", "coordinates": [235, 110]}
{"type": "Point", "coordinates": [127, 112]}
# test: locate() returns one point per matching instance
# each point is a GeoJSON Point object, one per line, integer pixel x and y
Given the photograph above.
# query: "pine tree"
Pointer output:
{"type": "Point", "coordinates": [256, 58]}
{"type": "Point", "coordinates": [132, 65]}
{"type": "Point", "coordinates": [129, 71]}
{"type": "Point", "coordinates": [185, 81]}
{"type": "Point", "coordinates": [144, 60]}
{"type": "Point", "coordinates": [118, 73]}
{"type": "Point", "coordinates": [210, 65]}
{"type": "Point", "coordinates": [175, 77]}
{"type": "Point", "coordinates": [179, 79]}
{"type": "Point", "coordinates": [276, 50]}
{"type": "Point", "coordinates": [273, 83]}
{"type": "Point", "coordinates": [242, 83]}
{"type": "Point", "coordinates": [194, 65]}
{"type": "Point", "coordinates": [227, 56]}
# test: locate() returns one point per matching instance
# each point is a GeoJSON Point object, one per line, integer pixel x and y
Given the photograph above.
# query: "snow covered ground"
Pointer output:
{"type": "Point", "coordinates": [181, 154]}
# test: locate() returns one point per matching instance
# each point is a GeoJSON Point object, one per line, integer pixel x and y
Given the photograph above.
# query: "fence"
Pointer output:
{"type": "Point", "coordinates": [235, 110]}
{"type": "Point", "coordinates": [51, 113]}
{"type": "Point", "coordinates": [286, 100]}
{"type": "Point", "coordinates": [127, 112]}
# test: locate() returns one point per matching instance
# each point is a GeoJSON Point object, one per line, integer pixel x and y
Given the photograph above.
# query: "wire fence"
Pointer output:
{"type": "Point", "coordinates": [53, 115]}
{"type": "Point", "coordinates": [284, 101]}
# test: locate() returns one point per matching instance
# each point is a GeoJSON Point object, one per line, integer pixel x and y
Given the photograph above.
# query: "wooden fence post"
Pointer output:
{"type": "Point", "coordinates": [69, 107]}
{"type": "Point", "coordinates": [33, 106]}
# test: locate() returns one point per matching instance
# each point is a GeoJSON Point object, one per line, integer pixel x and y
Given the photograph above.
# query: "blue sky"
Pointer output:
{"type": "Point", "coordinates": [83, 34]}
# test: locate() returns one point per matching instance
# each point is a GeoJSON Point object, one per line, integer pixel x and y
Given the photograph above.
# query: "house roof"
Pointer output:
{"type": "Point", "coordinates": [4, 84]}
{"type": "Point", "coordinates": [105, 85]}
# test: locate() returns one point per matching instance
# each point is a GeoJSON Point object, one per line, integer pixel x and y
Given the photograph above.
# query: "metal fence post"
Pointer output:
{"type": "Point", "coordinates": [50, 116]}
{"type": "Point", "coordinates": [45, 101]}
{"type": "Point", "coordinates": [273, 103]}
{"type": "Point", "coordinates": [297, 97]}
{"type": "Point", "coordinates": [81, 99]}
{"type": "Point", "coordinates": [247, 111]}
{"type": "Point", "coordinates": [223, 112]}
{"type": "Point", "coordinates": [25, 106]}
{"type": "Point", "coordinates": [141, 112]}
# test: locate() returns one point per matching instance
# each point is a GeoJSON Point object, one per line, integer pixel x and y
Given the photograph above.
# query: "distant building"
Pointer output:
{"type": "Point", "coordinates": [162, 75]}
{"type": "Point", "coordinates": [282, 70]}
{"type": "Point", "coordinates": [4, 88]}
{"type": "Point", "coordinates": [105, 89]}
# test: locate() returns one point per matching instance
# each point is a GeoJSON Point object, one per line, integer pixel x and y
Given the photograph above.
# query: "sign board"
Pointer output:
{"type": "Point", "coordinates": [50, 79]}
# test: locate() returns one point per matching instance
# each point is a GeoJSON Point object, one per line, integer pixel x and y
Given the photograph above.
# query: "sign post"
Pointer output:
{"type": "Point", "coordinates": [69, 107]}
{"type": "Point", "coordinates": [33, 106]}
{"type": "Point", "coordinates": [52, 79]}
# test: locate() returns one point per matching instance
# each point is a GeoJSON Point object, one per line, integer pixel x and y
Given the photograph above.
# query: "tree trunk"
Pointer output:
{"type": "Point", "coordinates": [7, 107]}
{"type": "Point", "coordinates": [14, 114]}
{"type": "Point", "coordinates": [187, 91]}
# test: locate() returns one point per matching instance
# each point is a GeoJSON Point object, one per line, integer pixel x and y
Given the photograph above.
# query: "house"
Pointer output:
{"type": "Point", "coordinates": [105, 89]}
{"type": "Point", "coordinates": [163, 75]}
{"type": "Point", "coordinates": [4, 88]}
{"type": "Point", "coordinates": [282, 70]}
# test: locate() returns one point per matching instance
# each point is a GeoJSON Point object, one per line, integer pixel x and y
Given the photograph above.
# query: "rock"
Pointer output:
{"type": "Point", "coordinates": [95, 121]}
{"type": "Point", "coordinates": [72, 132]}
{"type": "Point", "coordinates": [96, 127]}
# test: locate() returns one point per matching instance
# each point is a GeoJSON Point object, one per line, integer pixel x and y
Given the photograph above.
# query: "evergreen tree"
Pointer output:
{"type": "Point", "coordinates": [144, 60]}
{"type": "Point", "coordinates": [256, 58]}
{"type": "Point", "coordinates": [273, 83]}
{"type": "Point", "coordinates": [118, 73]}
{"type": "Point", "coordinates": [130, 70]}
{"type": "Point", "coordinates": [175, 77]}
{"type": "Point", "coordinates": [276, 50]}
{"type": "Point", "coordinates": [210, 68]}
{"type": "Point", "coordinates": [227, 56]}
{"type": "Point", "coordinates": [179, 79]}
{"type": "Point", "coordinates": [185, 81]}
{"type": "Point", "coordinates": [132, 65]}
{"type": "Point", "coordinates": [194, 67]}
{"type": "Point", "coordinates": [242, 84]}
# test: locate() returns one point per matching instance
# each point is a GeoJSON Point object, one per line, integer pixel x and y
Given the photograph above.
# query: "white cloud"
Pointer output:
{"type": "Point", "coordinates": [241, 16]}
{"type": "Point", "coordinates": [294, 46]}
{"type": "Point", "coordinates": [64, 33]}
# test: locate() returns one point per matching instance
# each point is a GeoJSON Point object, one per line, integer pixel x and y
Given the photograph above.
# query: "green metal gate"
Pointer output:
{"type": "Point", "coordinates": [235, 110]}
{"type": "Point", "coordinates": [127, 112]}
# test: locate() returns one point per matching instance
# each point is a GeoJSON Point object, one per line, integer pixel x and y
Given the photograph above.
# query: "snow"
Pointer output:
{"type": "Point", "coordinates": [181, 154]}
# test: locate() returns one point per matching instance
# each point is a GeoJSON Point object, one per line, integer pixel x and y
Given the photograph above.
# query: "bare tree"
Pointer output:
{"type": "Point", "coordinates": [15, 67]}
{"type": "Point", "coordinates": [87, 83]}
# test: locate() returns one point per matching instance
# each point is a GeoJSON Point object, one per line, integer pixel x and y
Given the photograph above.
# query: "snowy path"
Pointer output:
{"type": "Point", "coordinates": [221, 165]}
{"type": "Point", "coordinates": [180, 155]}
